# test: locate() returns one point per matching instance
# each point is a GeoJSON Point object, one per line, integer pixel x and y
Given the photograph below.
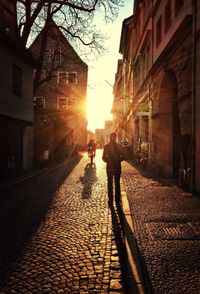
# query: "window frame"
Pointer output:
{"type": "Point", "coordinates": [42, 76]}
{"type": "Point", "coordinates": [57, 57]}
{"type": "Point", "coordinates": [47, 57]}
{"type": "Point", "coordinates": [72, 73]}
{"type": "Point", "coordinates": [44, 102]}
{"type": "Point", "coordinates": [73, 106]}
{"type": "Point", "coordinates": [59, 77]}
{"type": "Point", "coordinates": [67, 81]}
{"type": "Point", "coordinates": [66, 99]}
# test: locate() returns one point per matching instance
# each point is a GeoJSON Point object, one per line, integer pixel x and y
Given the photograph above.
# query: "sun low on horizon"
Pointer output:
{"type": "Point", "coordinates": [99, 104]}
{"type": "Point", "coordinates": [100, 91]}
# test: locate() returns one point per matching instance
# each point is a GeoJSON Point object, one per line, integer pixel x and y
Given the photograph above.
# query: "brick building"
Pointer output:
{"type": "Point", "coordinates": [165, 73]}
{"type": "Point", "coordinates": [59, 103]}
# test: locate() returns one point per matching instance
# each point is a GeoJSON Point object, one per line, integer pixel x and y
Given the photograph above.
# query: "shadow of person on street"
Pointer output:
{"type": "Point", "coordinates": [120, 246]}
{"type": "Point", "coordinates": [137, 281]}
{"type": "Point", "coordinates": [88, 179]}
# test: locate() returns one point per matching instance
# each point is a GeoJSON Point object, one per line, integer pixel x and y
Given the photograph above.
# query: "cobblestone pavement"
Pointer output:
{"type": "Point", "coordinates": [58, 234]}
{"type": "Point", "coordinates": [166, 223]}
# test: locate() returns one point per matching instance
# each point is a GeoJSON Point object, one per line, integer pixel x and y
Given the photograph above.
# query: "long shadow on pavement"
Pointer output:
{"type": "Point", "coordinates": [22, 209]}
{"type": "Point", "coordinates": [119, 241]}
{"type": "Point", "coordinates": [133, 281]}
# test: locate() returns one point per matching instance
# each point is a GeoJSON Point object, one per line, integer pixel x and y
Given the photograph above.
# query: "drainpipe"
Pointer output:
{"type": "Point", "coordinates": [194, 27]}
{"type": "Point", "coordinates": [150, 119]}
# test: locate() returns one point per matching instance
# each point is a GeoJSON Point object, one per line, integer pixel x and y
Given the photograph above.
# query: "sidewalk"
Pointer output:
{"type": "Point", "coordinates": [166, 222]}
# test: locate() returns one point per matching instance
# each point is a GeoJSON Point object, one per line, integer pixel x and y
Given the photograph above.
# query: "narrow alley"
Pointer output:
{"type": "Point", "coordinates": [58, 234]}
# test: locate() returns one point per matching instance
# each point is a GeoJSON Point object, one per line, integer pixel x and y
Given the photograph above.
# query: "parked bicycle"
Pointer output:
{"type": "Point", "coordinates": [141, 156]}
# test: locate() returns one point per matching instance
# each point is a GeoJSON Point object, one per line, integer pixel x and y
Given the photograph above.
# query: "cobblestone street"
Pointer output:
{"type": "Point", "coordinates": [58, 234]}
{"type": "Point", "coordinates": [166, 223]}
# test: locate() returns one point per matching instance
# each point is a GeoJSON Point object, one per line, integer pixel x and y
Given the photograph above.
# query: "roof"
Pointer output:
{"type": "Point", "coordinates": [125, 27]}
{"type": "Point", "coordinates": [56, 27]}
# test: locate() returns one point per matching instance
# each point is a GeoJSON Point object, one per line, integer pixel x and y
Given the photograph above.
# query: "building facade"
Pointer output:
{"type": "Point", "coordinates": [118, 102]}
{"type": "Point", "coordinates": [100, 135]}
{"type": "Point", "coordinates": [60, 100]}
{"type": "Point", "coordinates": [164, 68]}
{"type": "Point", "coordinates": [16, 94]}
{"type": "Point", "coordinates": [196, 104]}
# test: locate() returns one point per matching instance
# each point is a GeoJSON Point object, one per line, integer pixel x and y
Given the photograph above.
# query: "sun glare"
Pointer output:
{"type": "Point", "coordinates": [99, 105]}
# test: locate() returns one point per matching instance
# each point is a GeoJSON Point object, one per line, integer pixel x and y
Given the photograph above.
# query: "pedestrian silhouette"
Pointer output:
{"type": "Point", "coordinates": [113, 155]}
{"type": "Point", "coordinates": [91, 149]}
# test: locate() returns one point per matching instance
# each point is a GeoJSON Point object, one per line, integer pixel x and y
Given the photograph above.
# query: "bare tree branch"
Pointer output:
{"type": "Point", "coordinates": [75, 18]}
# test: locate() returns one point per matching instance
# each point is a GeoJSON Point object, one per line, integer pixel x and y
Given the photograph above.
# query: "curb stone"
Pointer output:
{"type": "Point", "coordinates": [135, 278]}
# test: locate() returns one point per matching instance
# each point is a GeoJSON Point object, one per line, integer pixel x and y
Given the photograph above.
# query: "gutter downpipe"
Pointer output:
{"type": "Point", "coordinates": [193, 182]}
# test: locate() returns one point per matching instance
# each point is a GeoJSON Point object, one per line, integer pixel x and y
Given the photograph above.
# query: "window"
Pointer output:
{"type": "Point", "coordinates": [72, 77]}
{"type": "Point", "coordinates": [72, 103]}
{"type": "Point", "coordinates": [159, 31]}
{"type": "Point", "coordinates": [178, 5]}
{"type": "Point", "coordinates": [47, 55]}
{"type": "Point", "coordinates": [39, 102]}
{"type": "Point", "coordinates": [42, 74]}
{"type": "Point", "coordinates": [17, 80]}
{"type": "Point", "coordinates": [57, 55]}
{"type": "Point", "coordinates": [67, 77]}
{"type": "Point", "coordinates": [51, 55]}
{"type": "Point", "coordinates": [168, 16]}
{"type": "Point", "coordinates": [62, 77]}
{"type": "Point", "coordinates": [62, 103]}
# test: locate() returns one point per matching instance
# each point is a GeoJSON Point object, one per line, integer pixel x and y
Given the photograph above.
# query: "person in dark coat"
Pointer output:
{"type": "Point", "coordinates": [112, 155]}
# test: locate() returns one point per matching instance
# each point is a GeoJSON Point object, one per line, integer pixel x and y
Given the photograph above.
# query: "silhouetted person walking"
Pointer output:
{"type": "Point", "coordinates": [112, 155]}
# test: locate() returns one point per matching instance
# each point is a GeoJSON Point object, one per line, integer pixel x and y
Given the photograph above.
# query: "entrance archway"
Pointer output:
{"type": "Point", "coordinates": [168, 125]}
